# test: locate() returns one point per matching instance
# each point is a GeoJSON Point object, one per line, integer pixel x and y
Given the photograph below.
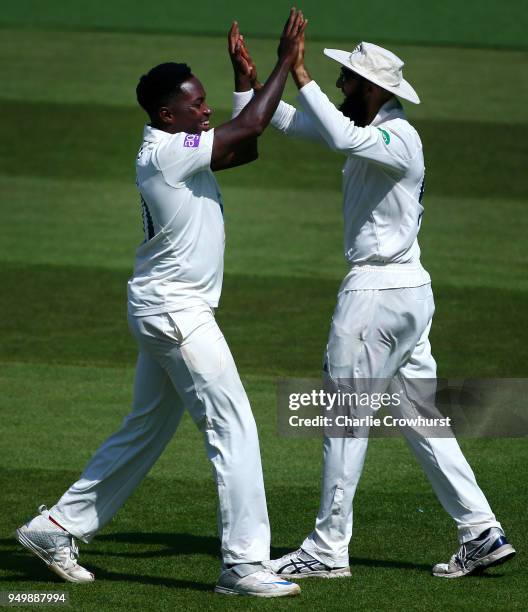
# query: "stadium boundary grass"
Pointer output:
{"type": "Point", "coordinates": [473, 23]}
{"type": "Point", "coordinates": [275, 326]}
{"type": "Point", "coordinates": [485, 153]}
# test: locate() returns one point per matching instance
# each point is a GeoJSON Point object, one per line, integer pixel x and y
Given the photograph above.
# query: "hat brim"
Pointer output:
{"type": "Point", "coordinates": [403, 90]}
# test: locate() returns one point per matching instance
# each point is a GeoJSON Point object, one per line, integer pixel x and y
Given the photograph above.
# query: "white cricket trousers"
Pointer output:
{"type": "Point", "coordinates": [383, 334]}
{"type": "Point", "coordinates": [184, 362]}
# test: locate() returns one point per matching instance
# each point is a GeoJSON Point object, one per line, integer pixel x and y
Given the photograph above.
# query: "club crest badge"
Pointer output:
{"type": "Point", "coordinates": [386, 136]}
{"type": "Point", "coordinates": [191, 140]}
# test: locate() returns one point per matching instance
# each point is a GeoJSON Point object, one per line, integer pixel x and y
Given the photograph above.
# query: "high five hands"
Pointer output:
{"type": "Point", "coordinates": [243, 66]}
{"type": "Point", "coordinates": [290, 51]}
{"type": "Point", "coordinates": [292, 35]}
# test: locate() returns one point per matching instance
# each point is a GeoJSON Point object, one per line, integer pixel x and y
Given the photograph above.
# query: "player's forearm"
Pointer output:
{"type": "Point", "coordinates": [301, 76]}
{"type": "Point", "coordinates": [251, 122]}
{"type": "Point", "coordinates": [242, 82]}
{"type": "Point", "coordinates": [259, 111]}
{"type": "Point", "coordinates": [287, 119]}
{"type": "Point", "coordinates": [280, 120]}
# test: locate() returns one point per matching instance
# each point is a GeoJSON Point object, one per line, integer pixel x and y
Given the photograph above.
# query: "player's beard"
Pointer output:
{"type": "Point", "coordinates": [355, 108]}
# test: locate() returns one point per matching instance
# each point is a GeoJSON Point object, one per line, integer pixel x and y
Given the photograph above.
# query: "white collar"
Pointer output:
{"type": "Point", "coordinates": [151, 134]}
{"type": "Point", "coordinates": [392, 109]}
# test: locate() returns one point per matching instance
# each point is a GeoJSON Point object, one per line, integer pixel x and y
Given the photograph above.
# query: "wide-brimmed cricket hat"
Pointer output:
{"type": "Point", "coordinates": [378, 65]}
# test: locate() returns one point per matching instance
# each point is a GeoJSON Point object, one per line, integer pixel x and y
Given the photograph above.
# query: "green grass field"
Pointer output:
{"type": "Point", "coordinates": [71, 218]}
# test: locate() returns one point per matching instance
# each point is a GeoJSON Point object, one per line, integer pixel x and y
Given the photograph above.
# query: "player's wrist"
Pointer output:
{"type": "Point", "coordinates": [286, 58]}
{"type": "Point", "coordinates": [242, 82]}
{"type": "Point", "coordinates": [300, 76]}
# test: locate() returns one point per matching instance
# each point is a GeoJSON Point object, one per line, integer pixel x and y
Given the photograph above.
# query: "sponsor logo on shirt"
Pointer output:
{"type": "Point", "coordinates": [191, 140]}
{"type": "Point", "coordinates": [386, 136]}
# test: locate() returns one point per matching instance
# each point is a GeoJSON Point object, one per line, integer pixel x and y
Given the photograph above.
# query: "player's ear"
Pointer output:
{"type": "Point", "coordinates": [165, 115]}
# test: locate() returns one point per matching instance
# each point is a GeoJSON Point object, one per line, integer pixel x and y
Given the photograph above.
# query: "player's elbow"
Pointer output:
{"type": "Point", "coordinates": [250, 155]}
{"type": "Point", "coordinates": [252, 123]}
{"type": "Point", "coordinates": [259, 126]}
{"type": "Point", "coordinates": [338, 143]}
{"type": "Point", "coordinates": [260, 122]}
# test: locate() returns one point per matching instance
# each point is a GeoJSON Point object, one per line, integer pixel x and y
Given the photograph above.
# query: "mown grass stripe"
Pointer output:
{"type": "Point", "coordinates": [78, 315]}
{"type": "Point", "coordinates": [356, 35]}
{"type": "Point", "coordinates": [476, 23]}
{"type": "Point", "coordinates": [71, 141]}
{"type": "Point", "coordinates": [92, 67]}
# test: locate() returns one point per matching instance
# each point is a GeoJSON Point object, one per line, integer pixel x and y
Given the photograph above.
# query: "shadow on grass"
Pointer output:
{"type": "Point", "coordinates": [391, 564]}
{"type": "Point", "coordinates": [354, 561]}
{"type": "Point", "coordinates": [101, 574]}
{"type": "Point", "coordinates": [20, 566]}
{"type": "Point", "coordinates": [174, 544]}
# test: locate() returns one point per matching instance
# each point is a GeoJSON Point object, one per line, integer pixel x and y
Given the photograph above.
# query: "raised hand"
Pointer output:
{"type": "Point", "coordinates": [235, 142]}
{"type": "Point", "coordinates": [298, 70]}
{"type": "Point", "coordinates": [252, 67]}
{"type": "Point", "coordinates": [292, 36]}
{"type": "Point", "coordinates": [298, 63]}
{"type": "Point", "coordinates": [235, 44]}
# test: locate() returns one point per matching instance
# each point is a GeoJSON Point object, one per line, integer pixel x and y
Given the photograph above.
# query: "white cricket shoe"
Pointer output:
{"type": "Point", "coordinates": [56, 547]}
{"type": "Point", "coordinates": [300, 564]}
{"type": "Point", "coordinates": [253, 579]}
{"type": "Point", "coordinates": [490, 548]}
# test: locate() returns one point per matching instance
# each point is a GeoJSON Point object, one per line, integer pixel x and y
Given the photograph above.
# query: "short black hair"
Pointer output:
{"type": "Point", "coordinates": [159, 85]}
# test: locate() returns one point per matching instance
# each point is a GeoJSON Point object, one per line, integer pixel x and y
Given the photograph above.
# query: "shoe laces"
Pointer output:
{"type": "Point", "coordinates": [295, 553]}
{"type": "Point", "coordinates": [268, 577]}
{"type": "Point", "coordinates": [74, 550]}
{"type": "Point", "coordinates": [460, 557]}
{"type": "Point", "coordinates": [67, 551]}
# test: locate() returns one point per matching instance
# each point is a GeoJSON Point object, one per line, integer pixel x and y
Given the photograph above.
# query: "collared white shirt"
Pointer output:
{"type": "Point", "coordinates": [180, 262]}
{"type": "Point", "coordinates": [383, 179]}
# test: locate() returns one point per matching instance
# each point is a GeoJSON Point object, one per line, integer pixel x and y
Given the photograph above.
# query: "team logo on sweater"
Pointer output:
{"type": "Point", "coordinates": [386, 136]}
{"type": "Point", "coordinates": [191, 140]}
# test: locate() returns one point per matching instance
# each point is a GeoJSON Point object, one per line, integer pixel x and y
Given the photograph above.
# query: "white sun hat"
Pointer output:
{"type": "Point", "coordinates": [378, 65]}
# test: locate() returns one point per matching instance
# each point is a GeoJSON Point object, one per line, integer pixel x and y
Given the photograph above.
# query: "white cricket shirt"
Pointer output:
{"type": "Point", "coordinates": [181, 261]}
{"type": "Point", "coordinates": [383, 180]}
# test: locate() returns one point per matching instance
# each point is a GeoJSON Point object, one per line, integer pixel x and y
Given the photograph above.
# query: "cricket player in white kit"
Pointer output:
{"type": "Point", "coordinates": [381, 322]}
{"type": "Point", "coordinates": [184, 361]}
